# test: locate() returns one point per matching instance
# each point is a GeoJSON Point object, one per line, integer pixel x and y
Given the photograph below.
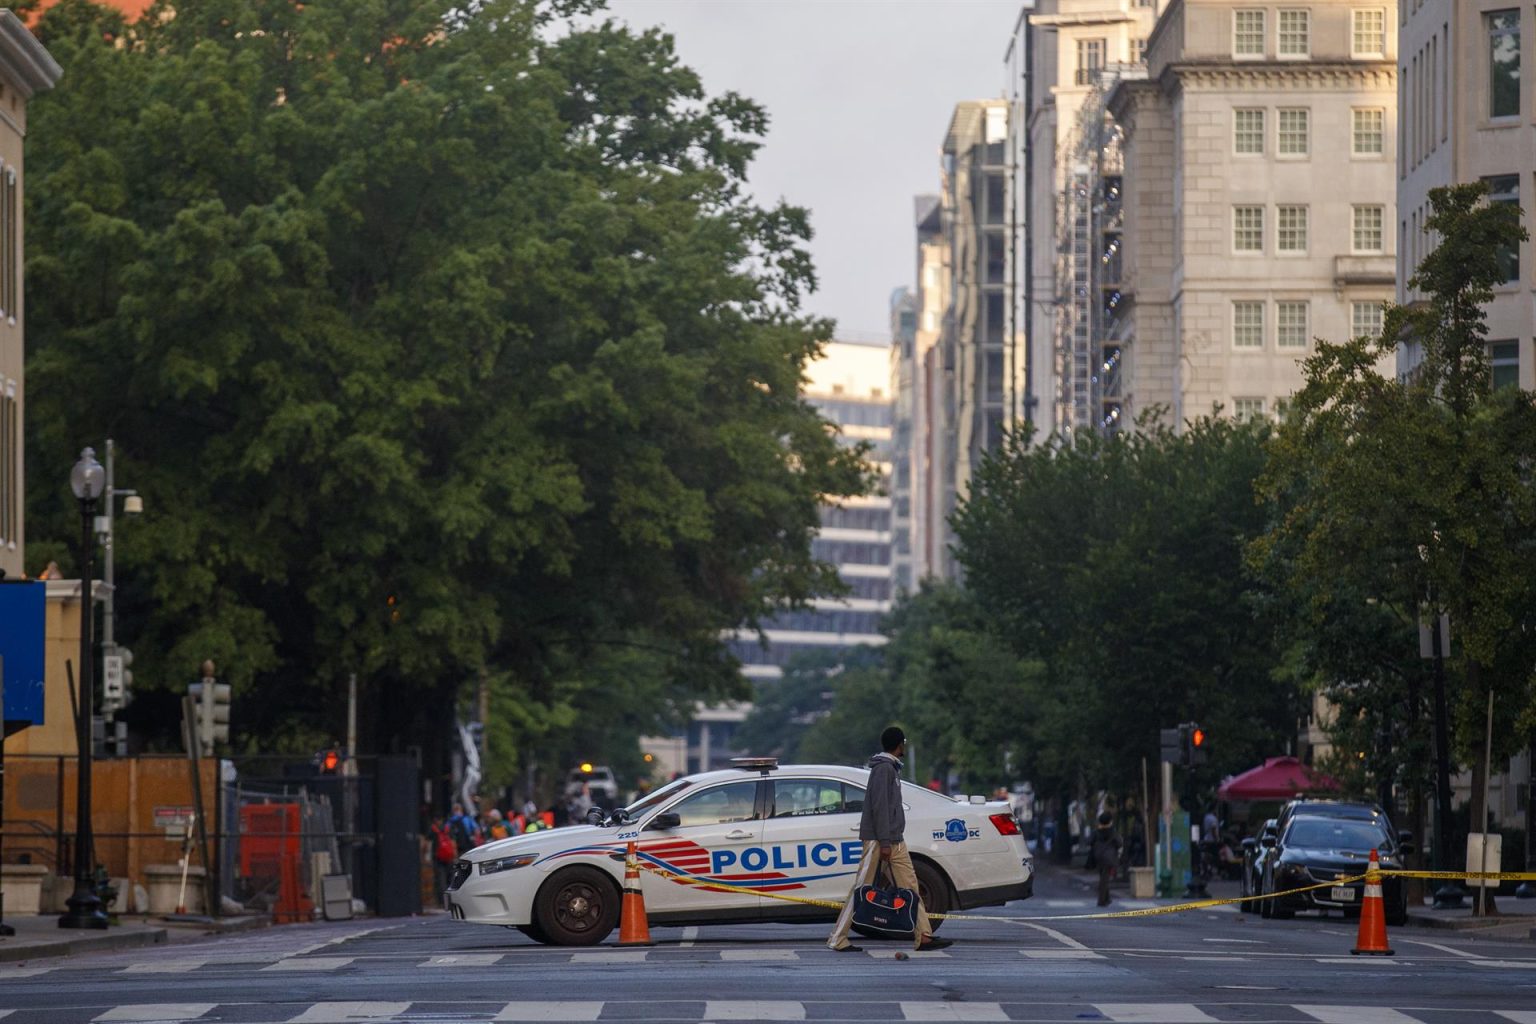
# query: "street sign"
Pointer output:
{"type": "Point", "coordinates": [112, 678]}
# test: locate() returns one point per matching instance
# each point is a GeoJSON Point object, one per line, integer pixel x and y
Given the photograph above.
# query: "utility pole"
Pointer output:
{"type": "Point", "coordinates": [115, 674]}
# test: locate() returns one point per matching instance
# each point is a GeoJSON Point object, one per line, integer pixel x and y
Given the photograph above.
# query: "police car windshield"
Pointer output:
{"type": "Point", "coordinates": [645, 803]}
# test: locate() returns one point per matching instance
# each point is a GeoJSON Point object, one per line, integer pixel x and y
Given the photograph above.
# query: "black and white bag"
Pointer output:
{"type": "Point", "coordinates": [886, 909]}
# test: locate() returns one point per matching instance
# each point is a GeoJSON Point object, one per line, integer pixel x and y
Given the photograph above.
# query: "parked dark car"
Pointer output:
{"type": "Point", "coordinates": [1252, 865]}
{"type": "Point", "coordinates": [1314, 848]}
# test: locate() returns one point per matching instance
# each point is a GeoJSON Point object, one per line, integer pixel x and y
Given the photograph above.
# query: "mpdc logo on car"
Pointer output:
{"type": "Point", "coordinates": [956, 831]}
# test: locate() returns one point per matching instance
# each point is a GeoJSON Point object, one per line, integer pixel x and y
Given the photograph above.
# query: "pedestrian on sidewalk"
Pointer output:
{"type": "Point", "coordinates": [1106, 853]}
{"type": "Point", "coordinates": [882, 828]}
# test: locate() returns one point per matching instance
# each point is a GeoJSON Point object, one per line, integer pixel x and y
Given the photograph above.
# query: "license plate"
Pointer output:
{"type": "Point", "coordinates": [1341, 894]}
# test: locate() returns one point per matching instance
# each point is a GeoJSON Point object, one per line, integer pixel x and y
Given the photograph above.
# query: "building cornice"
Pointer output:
{"type": "Point", "coordinates": [1274, 74]}
{"type": "Point", "coordinates": [1081, 18]}
{"type": "Point", "coordinates": [24, 61]}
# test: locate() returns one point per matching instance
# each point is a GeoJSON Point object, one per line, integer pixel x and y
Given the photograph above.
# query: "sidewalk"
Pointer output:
{"type": "Point", "coordinates": [39, 935]}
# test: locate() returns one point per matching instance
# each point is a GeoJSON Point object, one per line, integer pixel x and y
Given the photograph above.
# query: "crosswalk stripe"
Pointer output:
{"type": "Point", "coordinates": [759, 1009]}
{"type": "Point", "coordinates": [952, 1011]}
{"type": "Point", "coordinates": [1062, 954]}
{"type": "Point", "coordinates": [1356, 1014]}
{"type": "Point", "coordinates": [22, 972]}
{"type": "Point", "coordinates": [1529, 965]}
{"type": "Point", "coordinates": [164, 967]}
{"type": "Point", "coordinates": [463, 960]}
{"type": "Point", "coordinates": [626, 956]}
{"type": "Point", "coordinates": [157, 1012]}
{"type": "Point", "coordinates": [750, 955]}
{"type": "Point", "coordinates": [549, 1011]}
{"type": "Point", "coordinates": [1518, 1016]}
{"type": "Point", "coordinates": [1160, 1013]}
{"type": "Point", "coordinates": [310, 963]}
{"type": "Point", "coordinates": [341, 1013]}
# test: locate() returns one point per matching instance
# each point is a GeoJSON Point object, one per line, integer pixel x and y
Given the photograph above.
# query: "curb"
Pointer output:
{"type": "Point", "coordinates": [18, 947]}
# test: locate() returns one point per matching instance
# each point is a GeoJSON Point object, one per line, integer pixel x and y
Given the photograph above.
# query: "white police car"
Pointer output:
{"type": "Point", "coordinates": [759, 828]}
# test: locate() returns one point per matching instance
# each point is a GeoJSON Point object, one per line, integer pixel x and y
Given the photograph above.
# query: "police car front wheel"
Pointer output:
{"type": "Point", "coordinates": [578, 906]}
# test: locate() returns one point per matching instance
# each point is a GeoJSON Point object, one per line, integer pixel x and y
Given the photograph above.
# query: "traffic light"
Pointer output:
{"type": "Point", "coordinates": [1192, 744]}
{"type": "Point", "coordinates": [210, 700]}
{"type": "Point", "coordinates": [329, 761]}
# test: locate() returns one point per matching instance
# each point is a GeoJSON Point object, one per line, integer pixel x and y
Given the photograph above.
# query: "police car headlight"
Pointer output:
{"type": "Point", "coordinates": [522, 860]}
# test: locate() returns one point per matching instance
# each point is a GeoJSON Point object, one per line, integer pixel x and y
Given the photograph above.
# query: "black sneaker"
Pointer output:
{"type": "Point", "coordinates": [933, 944]}
{"type": "Point", "coordinates": [850, 948]}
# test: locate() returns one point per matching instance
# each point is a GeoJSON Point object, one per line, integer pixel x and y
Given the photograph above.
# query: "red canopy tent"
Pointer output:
{"type": "Point", "coordinates": [1278, 778]}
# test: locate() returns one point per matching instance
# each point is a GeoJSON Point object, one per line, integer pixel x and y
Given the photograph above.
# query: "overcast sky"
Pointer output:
{"type": "Point", "coordinates": [859, 93]}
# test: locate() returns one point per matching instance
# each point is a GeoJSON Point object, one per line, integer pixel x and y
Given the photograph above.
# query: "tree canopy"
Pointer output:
{"type": "Point", "coordinates": [442, 343]}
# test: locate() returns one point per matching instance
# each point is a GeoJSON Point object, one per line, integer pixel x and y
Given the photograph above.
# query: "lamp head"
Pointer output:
{"type": "Point", "coordinates": [133, 505]}
{"type": "Point", "coordinates": [87, 479]}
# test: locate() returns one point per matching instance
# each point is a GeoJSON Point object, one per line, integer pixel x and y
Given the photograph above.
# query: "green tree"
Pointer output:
{"type": "Point", "coordinates": [441, 340]}
{"type": "Point", "coordinates": [1397, 497]}
{"type": "Point", "coordinates": [1116, 564]}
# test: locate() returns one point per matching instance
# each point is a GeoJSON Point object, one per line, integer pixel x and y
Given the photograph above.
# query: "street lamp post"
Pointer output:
{"type": "Point", "coordinates": [87, 480]}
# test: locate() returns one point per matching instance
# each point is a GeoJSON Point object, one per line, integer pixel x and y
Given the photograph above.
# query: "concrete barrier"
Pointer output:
{"type": "Point", "coordinates": [164, 884]}
{"type": "Point", "coordinates": [22, 885]}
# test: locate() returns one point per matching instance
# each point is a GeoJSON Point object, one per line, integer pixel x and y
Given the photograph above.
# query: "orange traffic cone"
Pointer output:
{"type": "Point", "coordinates": [634, 929]}
{"type": "Point", "coordinates": [1372, 940]}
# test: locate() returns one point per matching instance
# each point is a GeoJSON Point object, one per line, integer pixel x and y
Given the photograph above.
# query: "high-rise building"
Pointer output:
{"type": "Point", "coordinates": [1462, 105]}
{"type": "Point", "coordinates": [1258, 194]}
{"type": "Point", "coordinates": [904, 407]}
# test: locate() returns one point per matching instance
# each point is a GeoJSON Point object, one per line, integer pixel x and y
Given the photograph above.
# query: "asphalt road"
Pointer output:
{"type": "Point", "coordinates": [1032, 963]}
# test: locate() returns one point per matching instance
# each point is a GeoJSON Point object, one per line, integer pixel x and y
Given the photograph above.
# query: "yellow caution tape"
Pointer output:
{"type": "Point", "coordinates": [1172, 908]}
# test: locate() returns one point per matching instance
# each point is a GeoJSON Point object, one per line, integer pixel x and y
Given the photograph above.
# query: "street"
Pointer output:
{"type": "Point", "coordinates": [1197, 966]}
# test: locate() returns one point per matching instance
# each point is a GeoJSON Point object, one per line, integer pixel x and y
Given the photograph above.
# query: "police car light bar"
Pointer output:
{"type": "Point", "coordinates": [755, 764]}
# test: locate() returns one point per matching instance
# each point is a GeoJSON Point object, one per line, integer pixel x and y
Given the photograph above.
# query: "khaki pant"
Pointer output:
{"type": "Point", "coordinates": [906, 878]}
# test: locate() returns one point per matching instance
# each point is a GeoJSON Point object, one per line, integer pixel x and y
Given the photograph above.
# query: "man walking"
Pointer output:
{"type": "Point", "coordinates": [882, 828]}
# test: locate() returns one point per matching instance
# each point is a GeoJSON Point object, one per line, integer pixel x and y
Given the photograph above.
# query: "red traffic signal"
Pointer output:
{"type": "Point", "coordinates": [330, 760]}
{"type": "Point", "coordinates": [1197, 738]}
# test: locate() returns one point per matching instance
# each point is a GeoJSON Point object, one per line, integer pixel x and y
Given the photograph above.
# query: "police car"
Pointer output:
{"type": "Point", "coordinates": [754, 830]}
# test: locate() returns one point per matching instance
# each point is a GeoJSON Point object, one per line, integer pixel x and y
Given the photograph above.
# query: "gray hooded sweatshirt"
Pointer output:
{"type": "Point", "coordinates": [884, 819]}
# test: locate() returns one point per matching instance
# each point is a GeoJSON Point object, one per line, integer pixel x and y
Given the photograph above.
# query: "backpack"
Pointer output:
{"type": "Point", "coordinates": [444, 851]}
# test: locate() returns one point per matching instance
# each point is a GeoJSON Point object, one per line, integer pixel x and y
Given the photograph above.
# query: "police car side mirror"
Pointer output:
{"type": "Point", "coordinates": [667, 819]}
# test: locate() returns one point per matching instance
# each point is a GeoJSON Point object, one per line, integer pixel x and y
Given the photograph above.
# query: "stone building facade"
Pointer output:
{"type": "Point", "coordinates": [1259, 198]}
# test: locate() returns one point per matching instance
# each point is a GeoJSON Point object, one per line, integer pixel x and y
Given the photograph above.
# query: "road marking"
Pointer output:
{"type": "Point", "coordinates": [22, 972]}
{"type": "Point", "coordinates": [1443, 949]}
{"type": "Point", "coordinates": [1246, 942]}
{"type": "Point", "coordinates": [1062, 954]}
{"type": "Point", "coordinates": [1065, 940]}
{"type": "Point", "coordinates": [164, 967]}
{"type": "Point", "coordinates": [157, 1011]}
{"type": "Point", "coordinates": [1518, 1016]}
{"type": "Point", "coordinates": [310, 963]}
{"type": "Point", "coordinates": [1155, 1013]}
{"type": "Point", "coordinates": [1355, 1014]}
{"type": "Point", "coordinates": [549, 1011]}
{"type": "Point", "coordinates": [341, 1013]}
{"type": "Point", "coordinates": [1066, 903]}
{"type": "Point", "coordinates": [690, 936]}
{"type": "Point", "coordinates": [627, 956]}
{"type": "Point", "coordinates": [1218, 959]}
{"type": "Point", "coordinates": [463, 960]}
{"type": "Point", "coordinates": [752, 955]}
{"type": "Point", "coordinates": [1380, 961]}
{"type": "Point", "coordinates": [952, 1011]}
{"type": "Point", "coordinates": [757, 1009]}
{"type": "Point", "coordinates": [1529, 965]}
{"type": "Point", "coordinates": [1138, 904]}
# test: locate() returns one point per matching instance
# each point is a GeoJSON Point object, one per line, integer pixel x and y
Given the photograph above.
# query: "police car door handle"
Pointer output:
{"type": "Point", "coordinates": [739, 834]}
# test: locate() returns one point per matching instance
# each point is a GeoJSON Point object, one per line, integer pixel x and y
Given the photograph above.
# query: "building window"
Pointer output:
{"type": "Point", "coordinates": [1291, 324]}
{"type": "Point", "coordinates": [1248, 131]}
{"type": "Point", "coordinates": [1503, 63]}
{"type": "Point", "coordinates": [1295, 33]}
{"type": "Point", "coordinates": [10, 264]}
{"type": "Point", "coordinates": [10, 492]}
{"type": "Point", "coordinates": [1291, 229]}
{"type": "Point", "coordinates": [1365, 319]}
{"type": "Point", "coordinates": [1505, 188]}
{"type": "Point", "coordinates": [1090, 60]}
{"type": "Point", "coordinates": [1248, 228]}
{"type": "Point", "coordinates": [1367, 227]}
{"type": "Point", "coordinates": [1368, 32]}
{"type": "Point", "coordinates": [1295, 132]}
{"type": "Point", "coordinates": [1248, 33]}
{"type": "Point", "coordinates": [1245, 410]}
{"type": "Point", "coordinates": [1247, 324]}
{"type": "Point", "coordinates": [1504, 364]}
{"type": "Point", "coordinates": [1368, 131]}
{"type": "Point", "coordinates": [1138, 51]}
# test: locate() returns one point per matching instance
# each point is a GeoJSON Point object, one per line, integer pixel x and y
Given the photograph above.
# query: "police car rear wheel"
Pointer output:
{"type": "Point", "coordinates": [577, 907]}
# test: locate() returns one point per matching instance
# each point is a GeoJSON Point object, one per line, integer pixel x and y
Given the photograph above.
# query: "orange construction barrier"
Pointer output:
{"type": "Point", "coordinates": [1372, 940]}
{"type": "Point", "coordinates": [634, 929]}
